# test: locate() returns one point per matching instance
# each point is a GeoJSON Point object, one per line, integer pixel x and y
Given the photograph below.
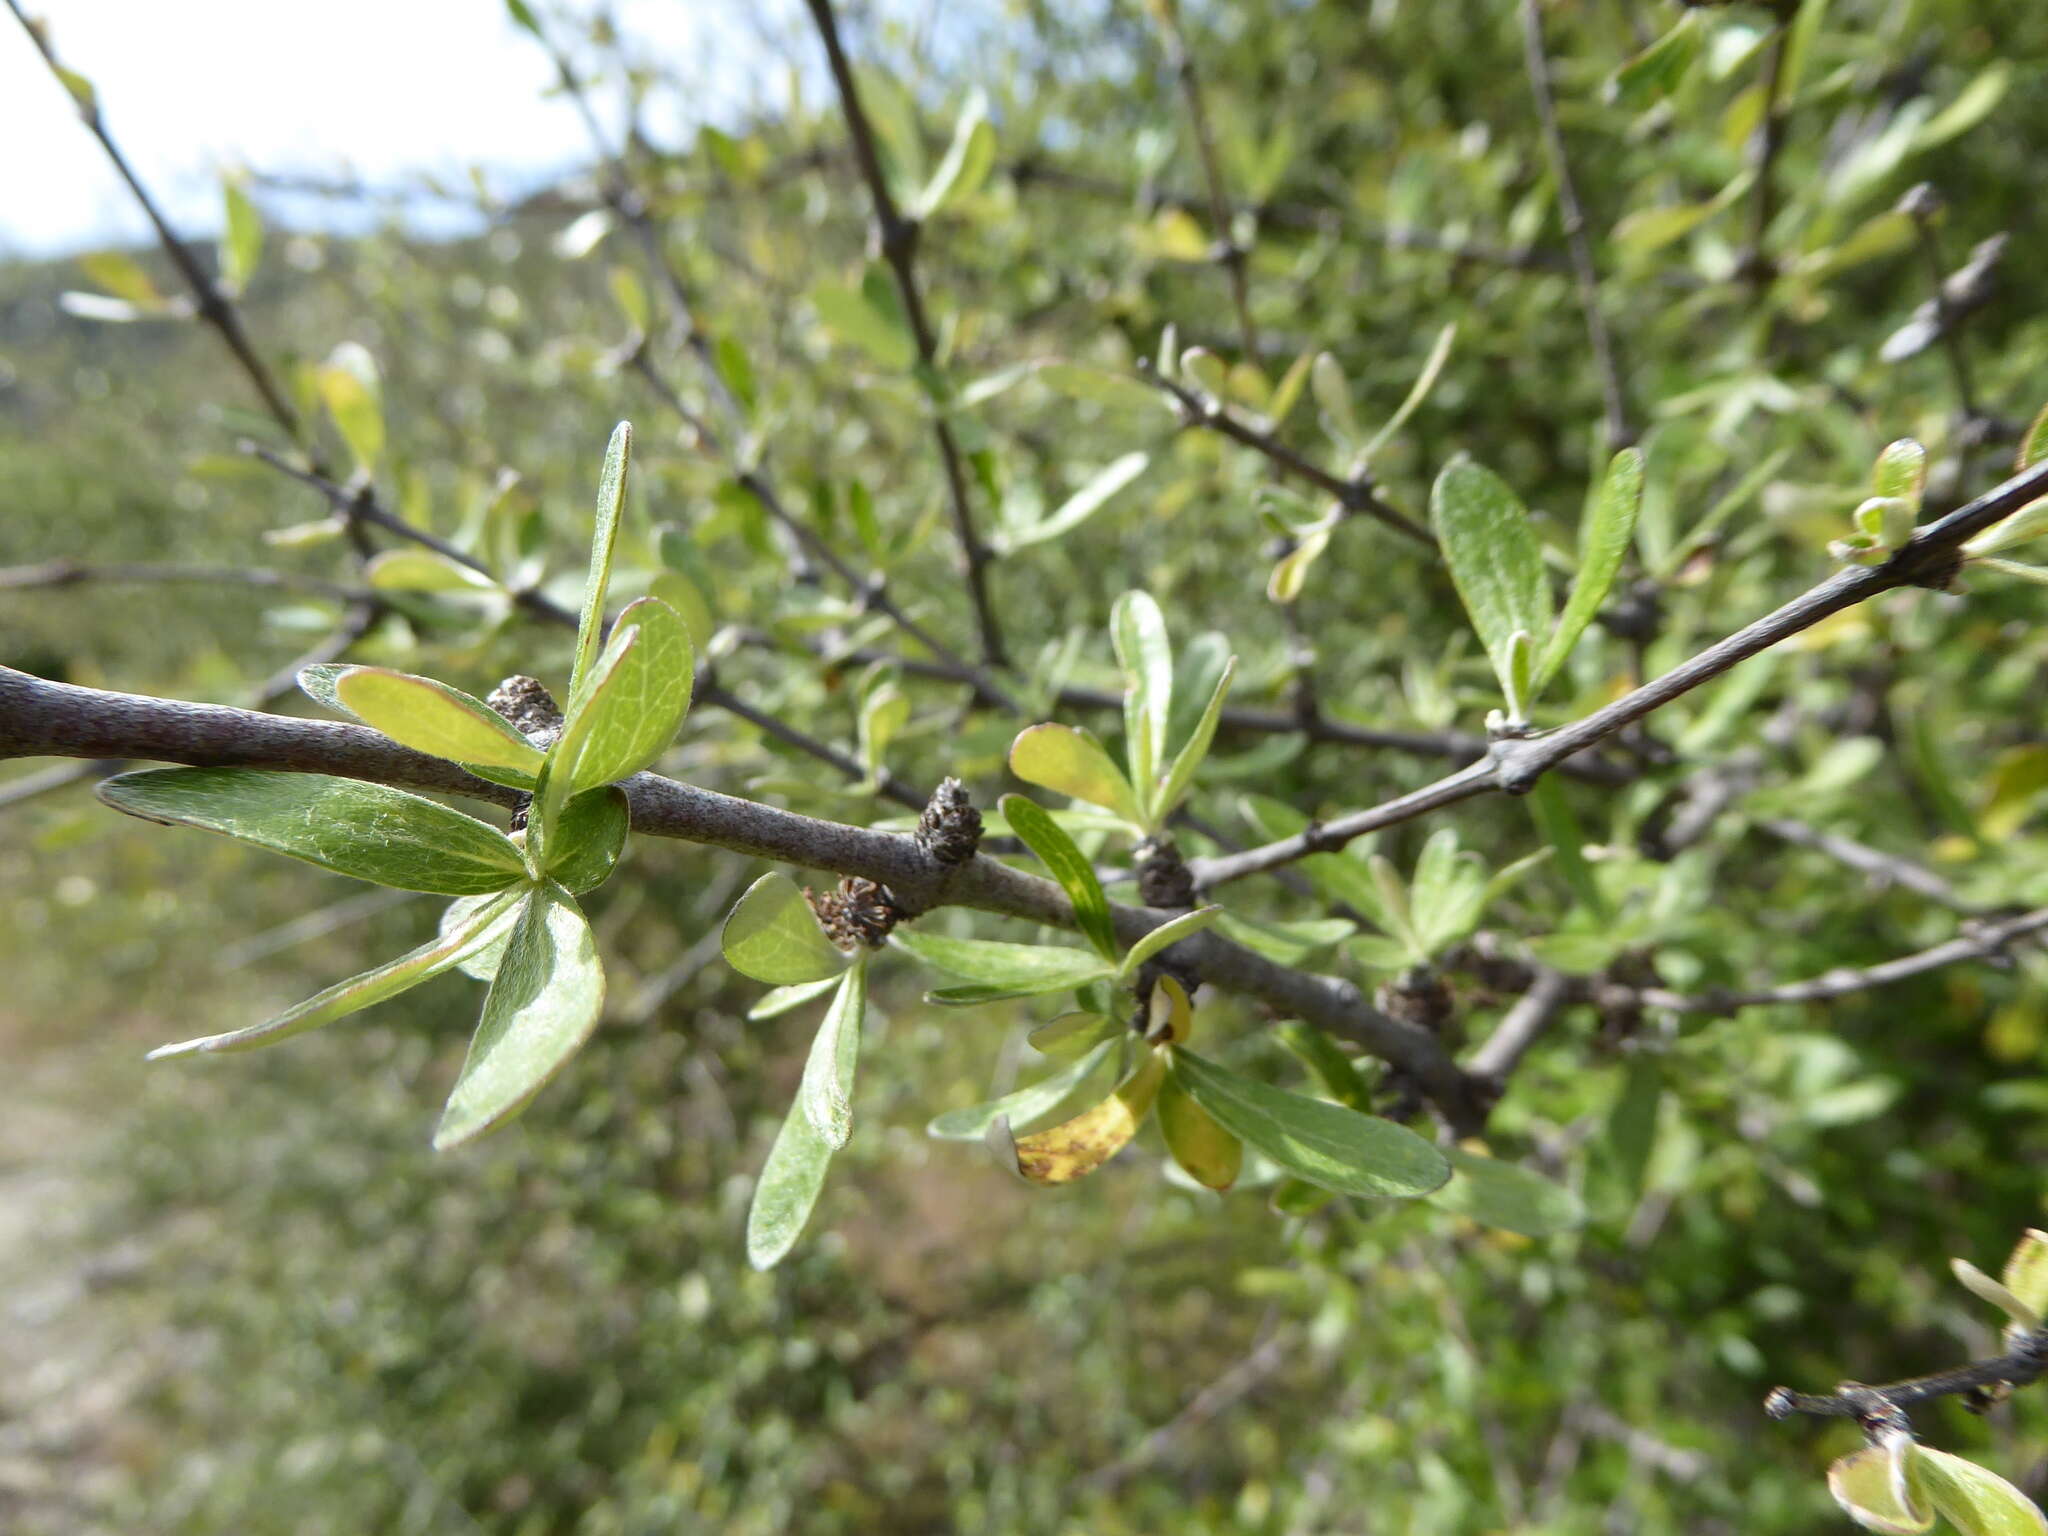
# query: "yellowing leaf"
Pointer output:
{"type": "Point", "coordinates": [1210, 1154]}
{"type": "Point", "coordinates": [1077, 1147]}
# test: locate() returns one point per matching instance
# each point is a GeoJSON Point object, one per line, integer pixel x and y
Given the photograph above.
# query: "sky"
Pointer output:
{"type": "Point", "coordinates": [379, 88]}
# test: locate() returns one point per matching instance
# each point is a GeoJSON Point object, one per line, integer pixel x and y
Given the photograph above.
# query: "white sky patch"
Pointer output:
{"type": "Point", "coordinates": [374, 88]}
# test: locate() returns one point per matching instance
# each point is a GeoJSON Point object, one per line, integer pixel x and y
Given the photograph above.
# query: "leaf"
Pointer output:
{"type": "Point", "coordinates": [2026, 1271]}
{"type": "Point", "coordinates": [588, 840]}
{"type": "Point", "coordinates": [1071, 1035]}
{"type": "Point", "coordinates": [1289, 942]}
{"type": "Point", "coordinates": [773, 936]}
{"type": "Point", "coordinates": [1900, 472]}
{"type": "Point", "coordinates": [783, 999]}
{"type": "Point", "coordinates": [827, 1091]}
{"type": "Point", "coordinates": [1495, 563]}
{"type": "Point", "coordinates": [1077, 1147]}
{"type": "Point", "coordinates": [1181, 775]}
{"type": "Point", "coordinates": [1210, 1155]}
{"type": "Point", "coordinates": [1871, 1485]}
{"type": "Point", "coordinates": [1333, 398]}
{"type": "Point", "coordinates": [1101, 386]}
{"type": "Point", "coordinates": [1073, 762]}
{"type": "Point", "coordinates": [2025, 525]}
{"type": "Point", "coordinates": [1657, 71]}
{"type": "Point", "coordinates": [1504, 1195]}
{"type": "Point", "coordinates": [480, 961]}
{"type": "Point", "coordinates": [1975, 1500]}
{"type": "Point", "coordinates": [1138, 631]}
{"type": "Point", "coordinates": [431, 717]}
{"type": "Point", "coordinates": [543, 1004]}
{"type": "Point", "coordinates": [1337, 1073]}
{"type": "Point", "coordinates": [1425, 381]}
{"type": "Point", "coordinates": [1972, 105]}
{"type": "Point", "coordinates": [1984, 1288]}
{"type": "Point", "coordinates": [1335, 1148]}
{"type": "Point", "coordinates": [1012, 970]}
{"type": "Point", "coordinates": [446, 949]}
{"type": "Point", "coordinates": [367, 831]}
{"type": "Point", "coordinates": [967, 162]}
{"type": "Point", "coordinates": [1291, 570]}
{"type": "Point", "coordinates": [124, 277]}
{"type": "Point", "coordinates": [787, 1190]}
{"type": "Point", "coordinates": [422, 570]}
{"type": "Point", "coordinates": [1026, 1104]}
{"type": "Point", "coordinates": [241, 245]}
{"type": "Point", "coordinates": [611, 499]}
{"type": "Point", "coordinates": [853, 317]}
{"type": "Point", "coordinates": [1603, 541]}
{"type": "Point", "coordinates": [1083, 504]}
{"type": "Point", "coordinates": [354, 396]}
{"type": "Point", "coordinates": [638, 694]}
{"type": "Point", "coordinates": [1069, 866]}
{"type": "Point", "coordinates": [1170, 1018]}
{"type": "Point", "coordinates": [1167, 933]}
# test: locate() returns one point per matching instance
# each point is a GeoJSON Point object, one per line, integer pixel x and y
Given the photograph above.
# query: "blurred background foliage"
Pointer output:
{"type": "Point", "coordinates": [244, 1297]}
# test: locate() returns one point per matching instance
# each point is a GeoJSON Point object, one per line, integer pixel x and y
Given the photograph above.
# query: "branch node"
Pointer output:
{"type": "Point", "coordinates": [949, 831]}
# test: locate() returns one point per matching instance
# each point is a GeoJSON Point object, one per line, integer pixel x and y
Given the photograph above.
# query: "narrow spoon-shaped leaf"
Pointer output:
{"type": "Point", "coordinates": [543, 1004]}
{"type": "Point", "coordinates": [1138, 631]}
{"type": "Point", "coordinates": [1072, 762]}
{"type": "Point", "coordinates": [1871, 1485]}
{"type": "Point", "coordinates": [431, 717]}
{"type": "Point", "coordinates": [1171, 932]}
{"type": "Point", "coordinates": [1075, 1148]}
{"type": "Point", "coordinates": [1068, 865]}
{"type": "Point", "coordinates": [589, 839]}
{"type": "Point", "coordinates": [611, 497]}
{"type": "Point", "coordinates": [827, 1091]}
{"type": "Point", "coordinates": [1515, 1199]}
{"type": "Point", "coordinates": [772, 935]}
{"type": "Point", "coordinates": [1025, 1105]}
{"type": "Point", "coordinates": [1182, 773]}
{"type": "Point", "coordinates": [1610, 525]}
{"type": "Point", "coordinates": [369, 831]}
{"type": "Point", "coordinates": [1330, 1146]}
{"type": "Point", "coordinates": [1023, 970]}
{"type": "Point", "coordinates": [787, 1189]}
{"type": "Point", "coordinates": [1973, 1499]}
{"type": "Point", "coordinates": [1494, 559]}
{"type": "Point", "coordinates": [1209, 1154]}
{"type": "Point", "coordinates": [358, 992]}
{"type": "Point", "coordinates": [636, 699]}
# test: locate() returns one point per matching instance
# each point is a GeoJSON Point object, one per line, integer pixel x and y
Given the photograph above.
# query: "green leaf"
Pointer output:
{"type": "Point", "coordinates": [1138, 631]}
{"type": "Point", "coordinates": [772, 935]}
{"type": "Point", "coordinates": [787, 1190]}
{"type": "Point", "coordinates": [1425, 381]}
{"type": "Point", "coordinates": [1333, 1069]}
{"type": "Point", "coordinates": [827, 1091]}
{"type": "Point", "coordinates": [422, 570]}
{"type": "Point", "coordinates": [1013, 970]}
{"type": "Point", "coordinates": [1984, 1288]}
{"type": "Point", "coordinates": [1900, 472]}
{"type": "Point", "coordinates": [543, 1004]}
{"type": "Point", "coordinates": [522, 16]}
{"type": "Point", "coordinates": [783, 999]}
{"type": "Point", "coordinates": [1975, 1500]}
{"type": "Point", "coordinates": [611, 499]}
{"type": "Point", "coordinates": [1559, 825]}
{"type": "Point", "coordinates": [852, 316]}
{"type": "Point", "coordinates": [2026, 1271]}
{"type": "Point", "coordinates": [1073, 762]}
{"type": "Point", "coordinates": [1871, 1484]}
{"type": "Point", "coordinates": [1603, 541]}
{"type": "Point", "coordinates": [1170, 932]}
{"type": "Point", "coordinates": [1071, 1035]}
{"type": "Point", "coordinates": [1082, 505]}
{"type": "Point", "coordinates": [447, 948]}
{"type": "Point", "coordinates": [2025, 525]}
{"type": "Point", "coordinates": [1027, 1104]}
{"type": "Point", "coordinates": [1657, 71]}
{"type": "Point", "coordinates": [368, 831]}
{"type": "Point", "coordinates": [480, 960]}
{"type": "Point", "coordinates": [1290, 571]}
{"type": "Point", "coordinates": [1972, 105]}
{"type": "Point", "coordinates": [241, 245]}
{"type": "Point", "coordinates": [967, 162]}
{"type": "Point", "coordinates": [638, 694]}
{"type": "Point", "coordinates": [125, 278]}
{"type": "Point", "coordinates": [431, 717]}
{"type": "Point", "coordinates": [1333, 398]}
{"type": "Point", "coordinates": [1494, 559]}
{"type": "Point", "coordinates": [588, 840]}
{"type": "Point", "coordinates": [1069, 866]}
{"type": "Point", "coordinates": [1209, 1154]}
{"type": "Point", "coordinates": [1515, 1199]}
{"type": "Point", "coordinates": [1100, 386]}
{"type": "Point", "coordinates": [354, 396]}
{"type": "Point", "coordinates": [1335, 1148]}
{"type": "Point", "coordinates": [1181, 775]}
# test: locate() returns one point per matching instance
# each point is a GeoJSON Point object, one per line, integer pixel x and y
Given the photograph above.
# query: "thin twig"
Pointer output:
{"type": "Point", "coordinates": [1929, 559]}
{"type": "Point", "coordinates": [1357, 494]}
{"type": "Point", "coordinates": [73, 573]}
{"type": "Point", "coordinates": [1521, 1026]}
{"type": "Point", "coordinates": [898, 238]}
{"type": "Point", "coordinates": [1572, 213]}
{"type": "Point", "coordinates": [2021, 1366]}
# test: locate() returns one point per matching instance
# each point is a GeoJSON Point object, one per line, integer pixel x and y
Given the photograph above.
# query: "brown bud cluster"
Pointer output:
{"type": "Point", "coordinates": [1164, 879]}
{"type": "Point", "coordinates": [860, 914]}
{"type": "Point", "coordinates": [526, 702]}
